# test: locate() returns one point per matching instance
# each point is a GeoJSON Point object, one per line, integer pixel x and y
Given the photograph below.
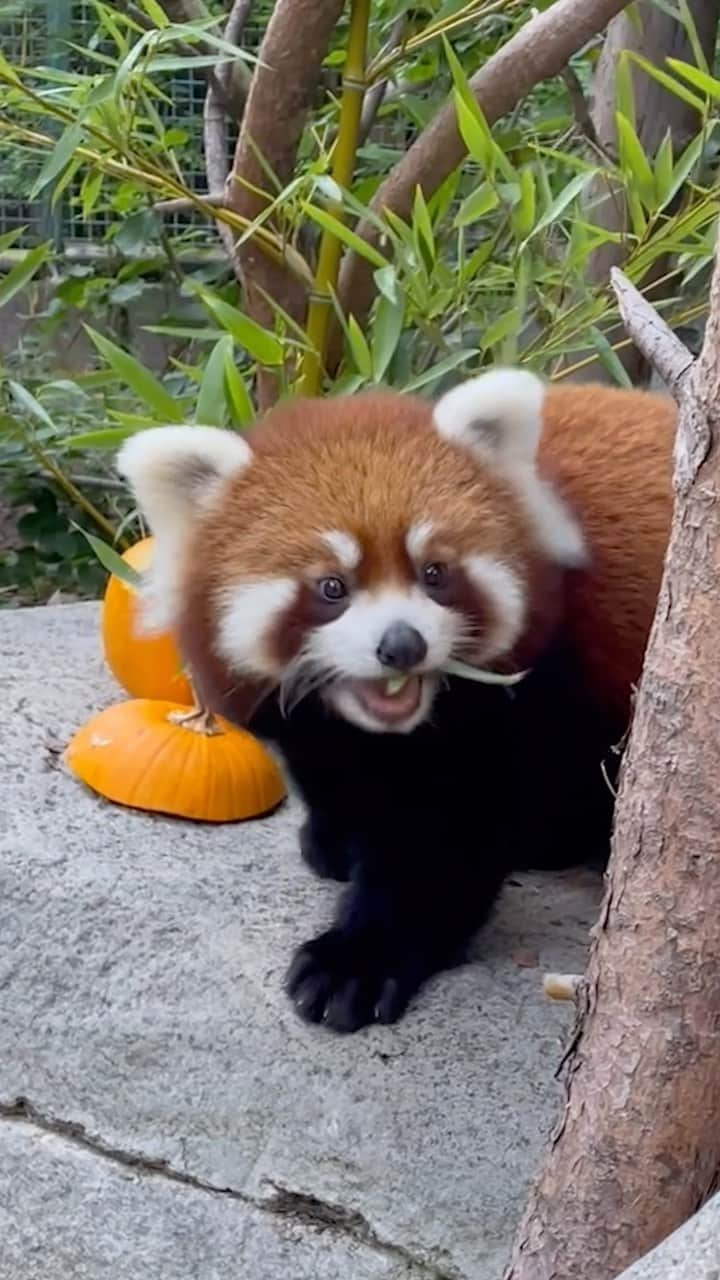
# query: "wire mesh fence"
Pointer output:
{"type": "Point", "coordinates": [65, 34]}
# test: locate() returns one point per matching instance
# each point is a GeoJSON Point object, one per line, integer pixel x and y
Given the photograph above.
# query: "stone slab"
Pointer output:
{"type": "Point", "coordinates": [169, 1089]}
{"type": "Point", "coordinates": [690, 1253]}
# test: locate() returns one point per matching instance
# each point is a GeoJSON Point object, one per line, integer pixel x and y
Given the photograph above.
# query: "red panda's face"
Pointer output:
{"type": "Point", "coordinates": [354, 547]}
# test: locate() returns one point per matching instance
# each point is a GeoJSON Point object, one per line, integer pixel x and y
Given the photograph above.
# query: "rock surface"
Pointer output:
{"type": "Point", "coordinates": [690, 1253]}
{"type": "Point", "coordinates": [163, 1113]}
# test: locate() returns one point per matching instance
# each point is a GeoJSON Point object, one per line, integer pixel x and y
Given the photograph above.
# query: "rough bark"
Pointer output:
{"type": "Point", "coordinates": [538, 50]}
{"type": "Point", "coordinates": [656, 110]}
{"type": "Point", "coordinates": [283, 88]}
{"type": "Point", "coordinates": [638, 1147]}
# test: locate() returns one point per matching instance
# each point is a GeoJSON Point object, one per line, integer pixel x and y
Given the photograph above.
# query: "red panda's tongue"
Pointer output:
{"type": "Point", "coordinates": [387, 706]}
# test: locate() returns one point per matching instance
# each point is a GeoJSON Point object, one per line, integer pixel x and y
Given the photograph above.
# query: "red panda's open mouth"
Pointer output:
{"type": "Point", "coordinates": [386, 700]}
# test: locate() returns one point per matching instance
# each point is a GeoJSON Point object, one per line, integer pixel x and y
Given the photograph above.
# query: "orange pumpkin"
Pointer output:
{"type": "Point", "coordinates": [146, 665]}
{"type": "Point", "coordinates": [166, 758]}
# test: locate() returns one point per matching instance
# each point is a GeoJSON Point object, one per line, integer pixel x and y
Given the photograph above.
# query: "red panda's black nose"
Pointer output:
{"type": "Point", "coordinates": [402, 647]}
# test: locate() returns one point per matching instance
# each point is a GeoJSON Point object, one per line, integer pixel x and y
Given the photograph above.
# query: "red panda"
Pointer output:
{"type": "Point", "coordinates": [324, 574]}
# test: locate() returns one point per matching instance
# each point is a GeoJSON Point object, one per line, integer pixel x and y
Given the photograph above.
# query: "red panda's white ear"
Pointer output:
{"type": "Point", "coordinates": [497, 417]}
{"type": "Point", "coordinates": [175, 473]}
{"type": "Point", "coordinates": [498, 414]}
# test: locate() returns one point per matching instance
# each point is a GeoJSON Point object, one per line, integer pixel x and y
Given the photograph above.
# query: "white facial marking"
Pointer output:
{"type": "Point", "coordinates": [418, 536]}
{"type": "Point", "coordinates": [176, 473]}
{"type": "Point", "coordinates": [506, 593]}
{"type": "Point", "coordinates": [348, 646]}
{"type": "Point", "coordinates": [344, 547]}
{"type": "Point", "coordinates": [247, 613]}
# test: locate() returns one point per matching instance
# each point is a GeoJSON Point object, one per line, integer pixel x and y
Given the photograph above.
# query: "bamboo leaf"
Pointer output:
{"type": "Point", "coordinates": [561, 202]}
{"type": "Point", "coordinates": [139, 379]}
{"type": "Point", "coordinates": [26, 400]}
{"type": "Point", "coordinates": [349, 238]}
{"type": "Point", "coordinates": [239, 400]}
{"type": "Point", "coordinates": [688, 22]}
{"type": "Point", "coordinates": [61, 154]}
{"type": "Point", "coordinates": [211, 407]}
{"type": "Point", "coordinates": [523, 215]}
{"type": "Point", "coordinates": [65, 179]}
{"type": "Point", "coordinates": [439, 370]}
{"type": "Point", "coordinates": [387, 329]}
{"type": "Point", "coordinates": [475, 135]}
{"type": "Point", "coordinates": [90, 191]}
{"type": "Point", "coordinates": [460, 80]}
{"type": "Point", "coordinates": [608, 358]}
{"type": "Point", "coordinates": [474, 128]}
{"type": "Point", "coordinates": [156, 13]}
{"type": "Point", "coordinates": [685, 165]}
{"type": "Point", "coordinates": [664, 168]}
{"type": "Point", "coordinates": [111, 560]}
{"type": "Point", "coordinates": [259, 343]}
{"type": "Point", "coordinates": [624, 92]}
{"type": "Point", "coordinates": [634, 161]}
{"type": "Point", "coordinates": [698, 79]}
{"type": "Point", "coordinates": [107, 438]}
{"type": "Point", "coordinates": [423, 231]}
{"type": "Point", "coordinates": [481, 201]}
{"type": "Point", "coordinates": [506, 325]}
{"type": "Point", "coordinates": [668, 82]}
{"type": "Point", "coordinates": [359, 348]}
{"type": "Point", "coordinates": [191, 333]}
{"type": "Point", "coordinates": [7, 240]}
{"type": "Point", "coordinates": [387, 285]}
{"type": "Point", "coordinates": [23, 272]}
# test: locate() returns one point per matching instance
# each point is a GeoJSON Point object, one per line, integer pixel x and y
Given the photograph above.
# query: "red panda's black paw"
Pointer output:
{"type": "Point", "coordinates": [335, 981]}
{"type": "Point", "coordinates": [323, 848]}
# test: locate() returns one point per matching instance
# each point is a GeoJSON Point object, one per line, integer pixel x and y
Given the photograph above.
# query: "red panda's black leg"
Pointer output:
{"type": "Point", "coordinates": [324, 846]}
{"type": "Point", "coordinates": [392, 932]}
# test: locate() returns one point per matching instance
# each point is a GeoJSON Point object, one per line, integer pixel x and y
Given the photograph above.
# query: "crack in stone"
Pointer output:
{"type": "Point", "coordinates": [303, 1208]}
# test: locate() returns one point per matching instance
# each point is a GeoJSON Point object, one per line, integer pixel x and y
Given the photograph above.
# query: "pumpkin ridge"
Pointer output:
{"type": "Point", "coordinates": [190, 759]}
{"type": "Point", "coordinates": [148, 765]}
{"type": "Point", "coordinates": [257, 783]}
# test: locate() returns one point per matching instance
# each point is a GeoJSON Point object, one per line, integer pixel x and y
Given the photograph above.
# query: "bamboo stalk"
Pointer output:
{"type": "Point", "coordinates": [343, 167]}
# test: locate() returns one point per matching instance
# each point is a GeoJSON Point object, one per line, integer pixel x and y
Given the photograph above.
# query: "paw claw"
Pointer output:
{"type": "Point", "coordinates": [339, 982]}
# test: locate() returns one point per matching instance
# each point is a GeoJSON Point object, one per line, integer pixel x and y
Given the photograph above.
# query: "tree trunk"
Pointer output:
{"type": "Point", "coordinates": [638, 1146]}
{"type": "Point", "coordinates": [281, 94]}
{"type": "Point", "coordinates": [657, 36]}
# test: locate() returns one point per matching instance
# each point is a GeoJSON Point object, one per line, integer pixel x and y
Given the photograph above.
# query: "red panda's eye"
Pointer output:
{"type": "Point", "coordinates": [434, 576]}
{"type": "Point", "coordinates": [332, 589]}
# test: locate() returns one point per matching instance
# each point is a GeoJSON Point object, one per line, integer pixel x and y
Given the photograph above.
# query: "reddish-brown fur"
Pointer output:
{"type": "Point", "coordinates": [609, 452]}
{"type": "Point", "coordinates": [371, 466]}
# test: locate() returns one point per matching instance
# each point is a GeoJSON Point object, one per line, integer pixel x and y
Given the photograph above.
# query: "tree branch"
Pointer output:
{"type": "Point", "coordinates": [230, 80]}
{"type": "Point", "coordinates": [237, 18]}
{"type": "Point", "coordinates": [540, 49]}
{"type": "Point", "coordinates": [581, 110]}
{"type": "Point", "coordinates": [375, 95]}
{"type": "Point", "coordinates": [657, 35]}
{"type": "Point", "coordinates": [638, 1146]}
{"type": "Point", "coordinates": [282, 92]}
{"type": "Point", "coordinates": [651, 335]}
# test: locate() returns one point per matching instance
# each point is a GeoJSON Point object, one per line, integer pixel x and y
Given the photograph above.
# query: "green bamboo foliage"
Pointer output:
{"type": "Point", "coordinates": [490, 268]}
